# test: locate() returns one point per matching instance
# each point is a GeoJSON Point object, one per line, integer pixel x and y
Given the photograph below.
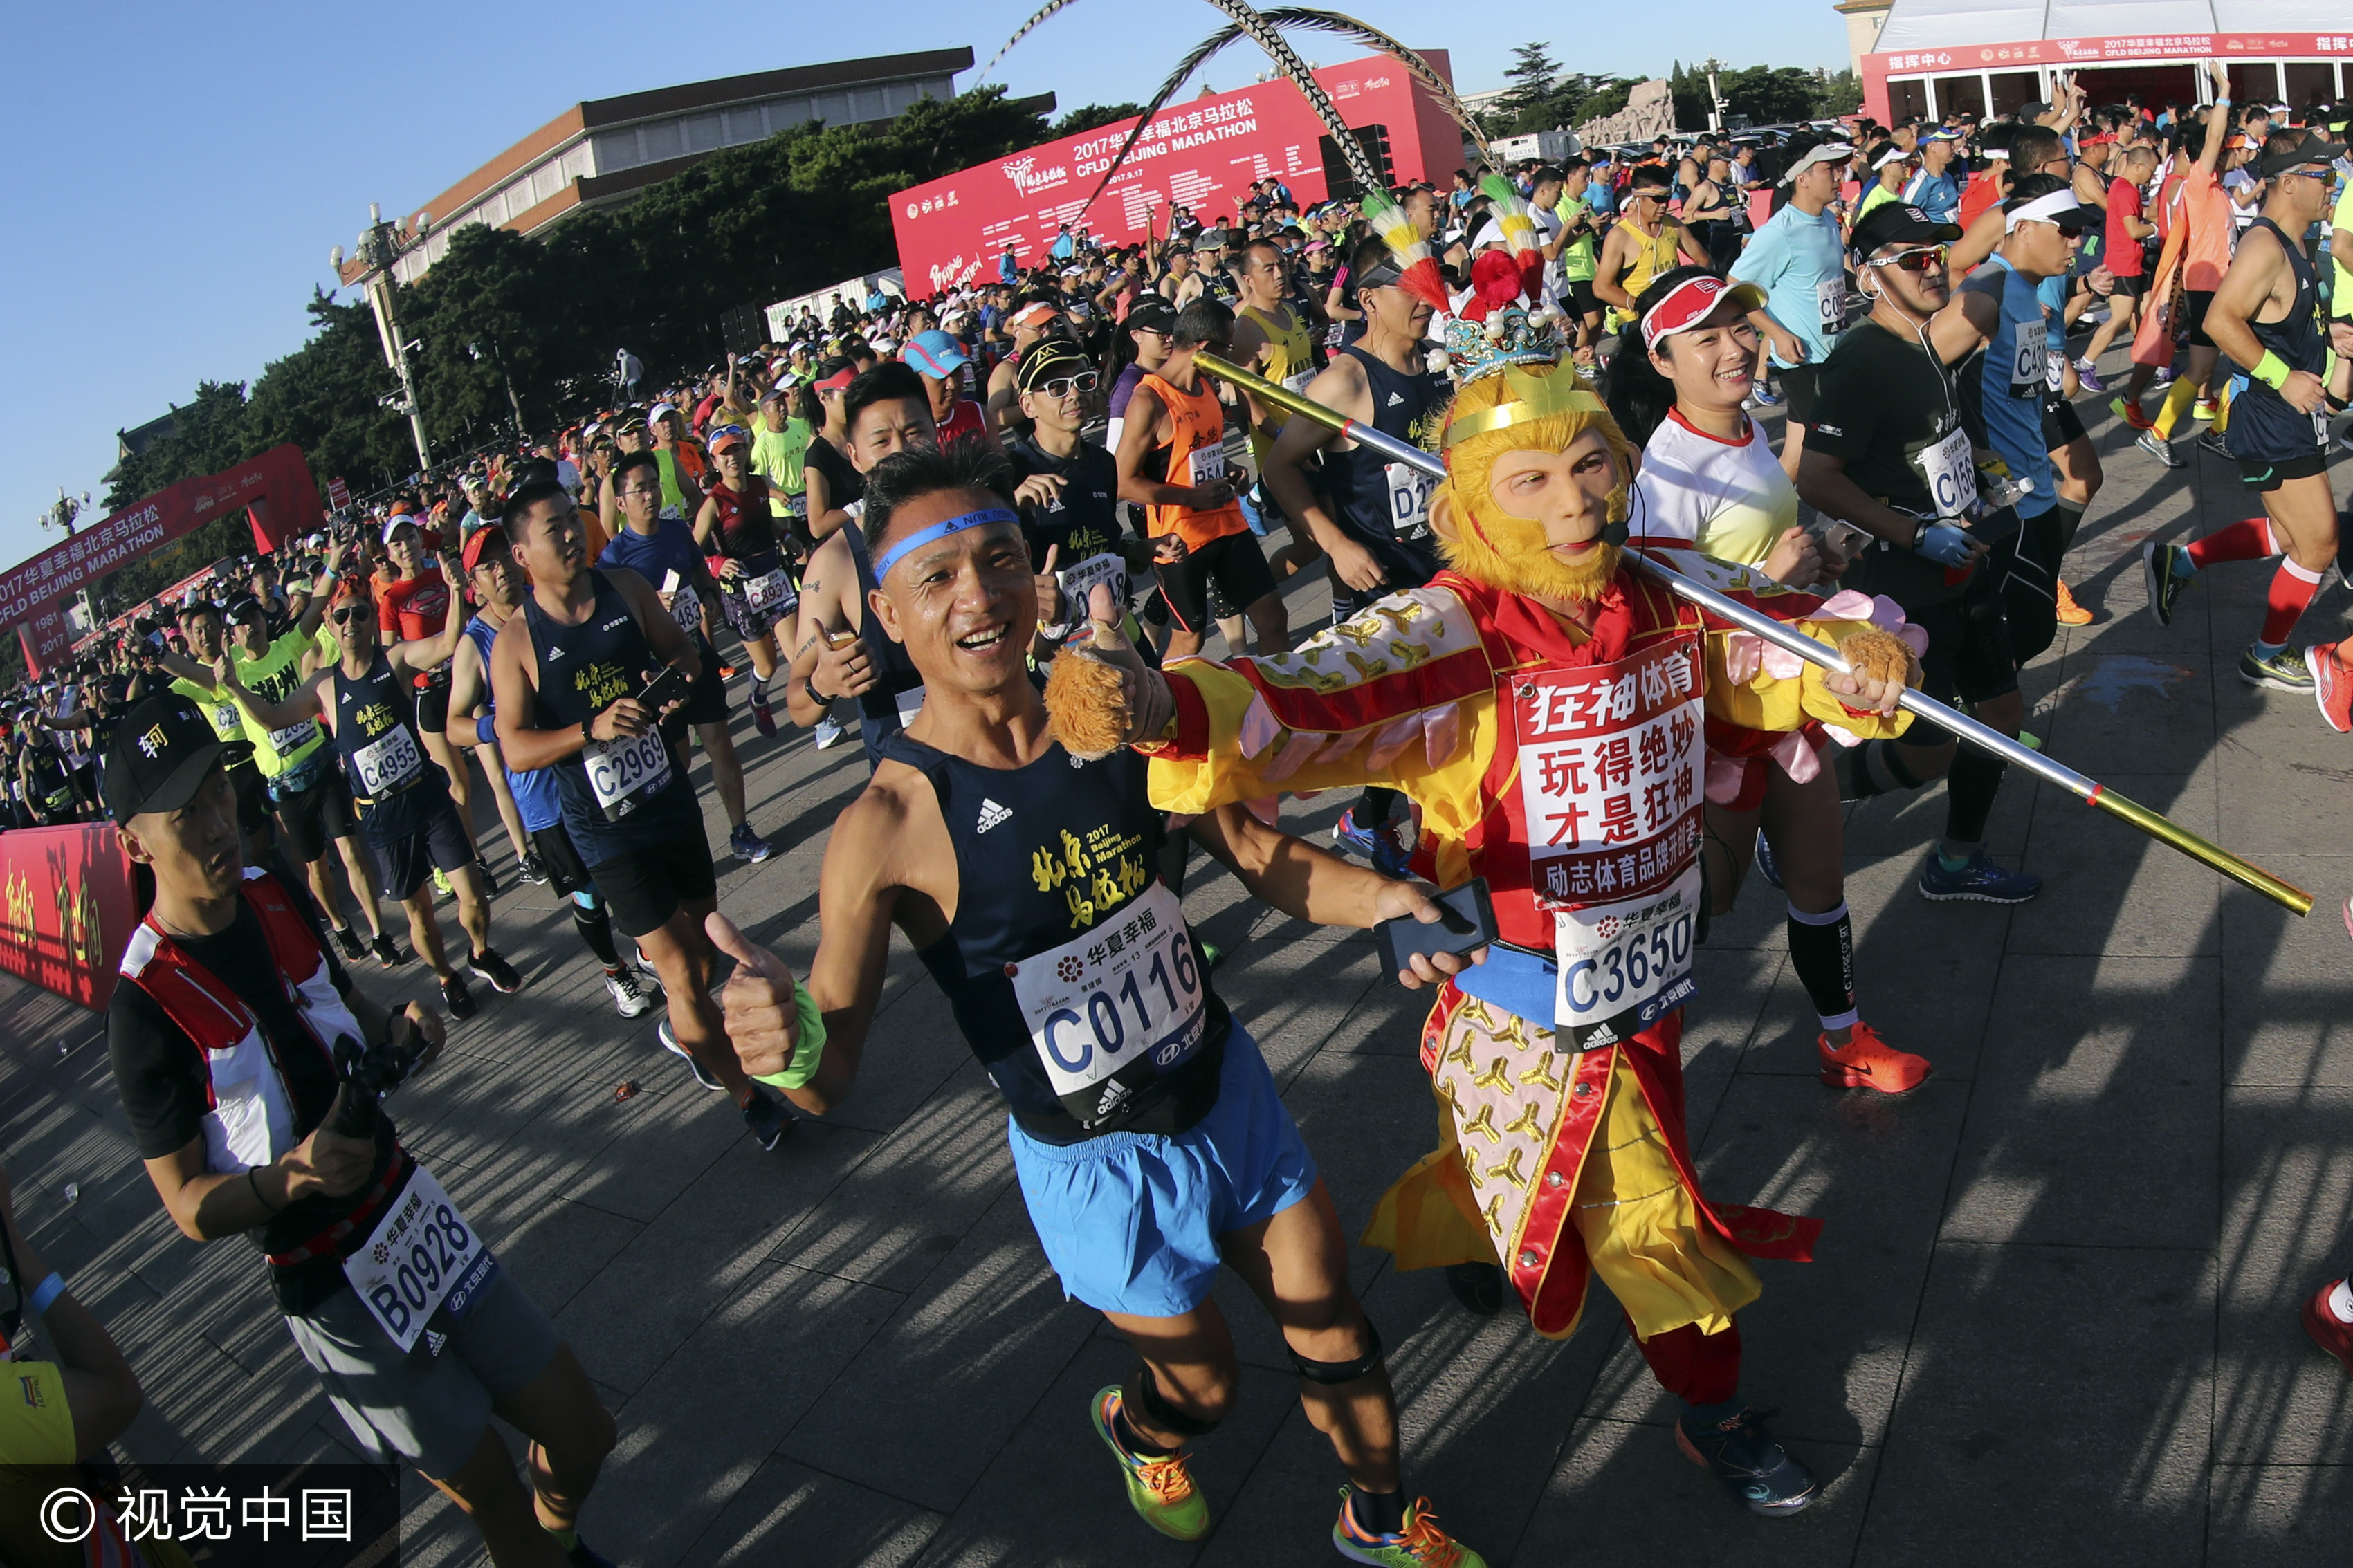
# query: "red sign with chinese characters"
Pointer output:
{"type": "Point", "coordinates": [66, 912]}
{"type": "Point", "coordinates": [1200, 153]}
{"type": "Point", "coordinates": [2119, 49]}
{"type": "Point", "coordinates": [275, 489]}
{"type": "Point", "coordinates": [1610, 773]}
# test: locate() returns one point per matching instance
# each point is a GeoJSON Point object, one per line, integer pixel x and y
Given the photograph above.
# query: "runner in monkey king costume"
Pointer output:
{"type": "Point", "coordinates": [1542, 706]}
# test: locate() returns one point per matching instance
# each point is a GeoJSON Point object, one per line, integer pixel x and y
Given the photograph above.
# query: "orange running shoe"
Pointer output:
{"type": "Point", "coordinates": [2072, 614]}
{"type": "Point", "coordinates": [1870, 1062]}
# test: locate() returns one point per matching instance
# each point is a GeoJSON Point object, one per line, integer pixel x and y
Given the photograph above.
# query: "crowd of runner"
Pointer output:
{"type": "Point", "coordinates": [891, 526]}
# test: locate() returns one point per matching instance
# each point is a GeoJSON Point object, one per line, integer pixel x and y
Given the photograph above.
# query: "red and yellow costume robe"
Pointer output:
{"type": "Point", "coordinates": [1559, 1164]}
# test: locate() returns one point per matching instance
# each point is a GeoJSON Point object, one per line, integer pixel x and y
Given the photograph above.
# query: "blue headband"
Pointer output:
{"type": "Point", "coordinates": [923, 536]}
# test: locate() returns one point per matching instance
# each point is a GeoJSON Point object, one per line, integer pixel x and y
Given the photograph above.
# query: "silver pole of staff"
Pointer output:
{"type": "Point", "coordinates": [1731, 611]}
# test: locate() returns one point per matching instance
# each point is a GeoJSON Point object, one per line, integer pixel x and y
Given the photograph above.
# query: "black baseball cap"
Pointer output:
{"type": "Point", "coordinates": [1893, 223]}
{"type": "Point", "coordinates": [159, 753]}
{"type": "Point", "coordinates": [1153, 313]}
{"type": "Point", "coordinates": [1047, 359]}
{"type": "Point", "coordinates": [2311, 150]}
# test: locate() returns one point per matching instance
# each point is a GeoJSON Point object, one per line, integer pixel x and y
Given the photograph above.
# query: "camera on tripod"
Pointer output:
{"type": "Point", "coordinates": [371, 1072]}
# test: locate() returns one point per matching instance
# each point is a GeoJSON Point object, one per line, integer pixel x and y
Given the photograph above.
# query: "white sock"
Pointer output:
{"type": "Point", "coordinates": [2340, 1301]}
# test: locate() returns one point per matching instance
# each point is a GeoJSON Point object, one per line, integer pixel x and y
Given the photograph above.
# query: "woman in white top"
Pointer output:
{"type": "Point", "coordinates": [1712, 491]}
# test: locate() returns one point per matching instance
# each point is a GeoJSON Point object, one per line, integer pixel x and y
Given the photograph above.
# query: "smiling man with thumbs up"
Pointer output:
{"type": "Point", "coordinates": [1150, 1140]}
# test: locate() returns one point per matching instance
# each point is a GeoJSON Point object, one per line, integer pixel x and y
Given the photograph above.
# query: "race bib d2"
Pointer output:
{"type": "Point", "coordinates": [390, 763]}
{"type": "Point", "coordinates": [422, 1259]}
{"type": "Point", "coordinates": [1115, 1006]}
{"type": "Point", "coordinates": [908, 703]}
{"type": "Point", "coordinates": [1951, 470]}
{"type": "Point", "coordinates": [623, 775]}
{"type": "Point", "coordinates": [1409, 491]}
{"type": "Point", "coordinates": [1625, 965]}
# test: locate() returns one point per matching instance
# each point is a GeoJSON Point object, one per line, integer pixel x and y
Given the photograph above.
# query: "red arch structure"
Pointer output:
{"type": "Point", "coordinates": [275, 489]}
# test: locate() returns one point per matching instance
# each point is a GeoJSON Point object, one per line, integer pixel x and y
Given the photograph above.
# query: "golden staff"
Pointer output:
{"type": "Point", "coordinates": [2089, 791]}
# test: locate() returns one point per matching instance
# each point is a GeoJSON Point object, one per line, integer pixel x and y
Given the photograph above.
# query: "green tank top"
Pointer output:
{"type": "Point", "coordinates": [275, 675]}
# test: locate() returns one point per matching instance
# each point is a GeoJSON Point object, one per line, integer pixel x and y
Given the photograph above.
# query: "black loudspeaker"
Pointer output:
{"type": "Point", "coordinates": [1340, 183]}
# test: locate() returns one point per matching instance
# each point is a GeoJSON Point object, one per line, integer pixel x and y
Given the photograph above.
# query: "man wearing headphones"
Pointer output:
{"type": "Point", "coordinates": [1888, 453]}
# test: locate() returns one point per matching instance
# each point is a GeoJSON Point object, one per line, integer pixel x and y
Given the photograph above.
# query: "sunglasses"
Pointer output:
{"type": "Point", "coordinates": [347, 613]}
{"type": "Point", "coordinates": [1920, 260]}
{"type": "Point", "coordinates": [1064, 385]}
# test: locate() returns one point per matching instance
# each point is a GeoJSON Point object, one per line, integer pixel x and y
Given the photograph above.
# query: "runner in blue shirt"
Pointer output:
{"type": "Point", "coordinates": [1798, 258]}
{"type": "Point", "coordinates": [662, 551]}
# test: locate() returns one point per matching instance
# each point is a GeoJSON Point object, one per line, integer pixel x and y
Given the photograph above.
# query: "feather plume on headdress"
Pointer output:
{"type": "Point", "coordinates": [1419, 270]}
{"type": "Point", "coordinates": [1519, 225]}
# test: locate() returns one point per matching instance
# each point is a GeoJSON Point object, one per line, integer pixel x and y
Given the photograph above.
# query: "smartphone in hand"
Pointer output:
{"type": "Point", "coordinates": [1466, 923]}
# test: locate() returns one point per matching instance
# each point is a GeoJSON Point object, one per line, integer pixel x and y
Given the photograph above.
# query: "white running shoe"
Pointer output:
{"type": "Point", "coordinates": [629, 999]}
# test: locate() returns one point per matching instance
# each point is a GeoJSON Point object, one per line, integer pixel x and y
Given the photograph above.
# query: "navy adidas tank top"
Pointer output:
{"type": "Point", "coordinates": [1067, 965]}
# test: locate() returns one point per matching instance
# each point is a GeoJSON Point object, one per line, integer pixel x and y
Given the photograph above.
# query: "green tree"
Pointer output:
{"type": "Point", "coordinates": [1093, 117]}
{"type": "Point", "coordinates": [1533, 75]}
{"type": "Point", "coordinates": [1837, 92]}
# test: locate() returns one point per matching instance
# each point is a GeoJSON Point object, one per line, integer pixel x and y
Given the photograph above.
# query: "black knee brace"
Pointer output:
{"type": "Point", "coordinates": [1154, 1407]}
{"type": "Point", "coordinates": [1329, 1372]}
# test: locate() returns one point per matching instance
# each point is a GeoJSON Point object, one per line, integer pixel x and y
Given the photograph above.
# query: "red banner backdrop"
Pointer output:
{"type": "Point", "coordinates": [66, 909]}
{"type": "Point", "coordinates": [2068, 54]}
{"type": "Point", "coordinates": [1201, 153]}
{"type": "Point", "coordinates": [275, 489]}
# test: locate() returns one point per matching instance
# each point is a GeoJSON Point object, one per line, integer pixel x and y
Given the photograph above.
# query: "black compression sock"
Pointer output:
{"type": "Point", "coordinates": [595, 929]}
{"type": "Point", "coordinates": [1376, 803]}
{"type": "Point", "coordinates": [2070, 519]}
{"type": "Point", "coordinates": [1970, 787]}
{"type": "Point", "coordinates": [1822, 947]}
{"type": "Point", "coordinates": [1132, 1441]}
{"type": "Point", "coordinates": [1378, 1513]}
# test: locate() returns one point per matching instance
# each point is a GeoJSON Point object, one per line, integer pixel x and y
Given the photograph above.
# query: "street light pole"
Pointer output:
{"type": "Point", "coordinates": [379, 250]}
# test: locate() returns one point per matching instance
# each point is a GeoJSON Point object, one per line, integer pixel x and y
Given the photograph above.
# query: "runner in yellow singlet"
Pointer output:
{"type": "Point", "coordinates": [1641, 245]}
{"type": "Point", "coordinates": [1270, 338]}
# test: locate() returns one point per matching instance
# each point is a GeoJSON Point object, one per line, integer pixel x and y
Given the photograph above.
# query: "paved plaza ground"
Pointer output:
{"type": "Point", "coordinates": [2052, 1318]}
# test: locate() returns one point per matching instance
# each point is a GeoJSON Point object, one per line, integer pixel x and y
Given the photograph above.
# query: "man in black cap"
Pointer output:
{"type": "Point", "coordinates": [1068, 493]}
{"type": "Point", "coordinates": [224, 1036]}
{"type": "Point", "coordinates": [1889, 455]}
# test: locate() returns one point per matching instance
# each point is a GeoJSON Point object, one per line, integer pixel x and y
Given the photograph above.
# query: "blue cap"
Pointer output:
{"type": "Point", "coordinates": [935, 353]}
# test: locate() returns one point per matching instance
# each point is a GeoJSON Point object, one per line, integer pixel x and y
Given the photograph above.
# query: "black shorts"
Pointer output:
{"type": "Point", "coordinates": [1235, 562]}
{"type": "Point", "coordinates": [645, 886]}
{"type": "Point", "coordinates": [252, 798]}
{"type": "Point", "coordinates": [433, 703]}
{"type": "Point", "coordinates": [1970, 655]}
{"type": "Point", "coordinates": [1797, 385]}
{"type": "Point", "coordinates": [309, 818]}
{"type": "Point", "coordinates": [442, 842]}
{"type": "Point", "coordinates": [2200, 298]}
{"type": "Point", "coordinates": [566, 872]}
{"type": "Point", "coordinates": [2129, 288]}
{"type": "Point", "coordinates": [2061, 428]}
{"type": "Point", "coordinates": [1579, 301]}
{"type": "Point", "coordinates": [2261, 474]}
{"type": "Point", "coordinates": [706, 701]}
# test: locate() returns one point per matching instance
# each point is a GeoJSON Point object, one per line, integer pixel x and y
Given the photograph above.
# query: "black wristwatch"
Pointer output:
{"type": "Point", "coordinates": [808, 684]}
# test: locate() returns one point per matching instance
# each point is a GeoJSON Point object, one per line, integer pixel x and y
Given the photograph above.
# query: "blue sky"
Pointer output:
{"type": "Point", "coordinates": [182, 171]}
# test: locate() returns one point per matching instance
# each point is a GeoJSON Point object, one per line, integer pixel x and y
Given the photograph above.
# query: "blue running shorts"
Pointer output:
{"type": "Point", "coordinates": [1131, 1220]}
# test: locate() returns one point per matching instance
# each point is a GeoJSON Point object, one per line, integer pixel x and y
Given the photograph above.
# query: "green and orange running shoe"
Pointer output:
{"type": "Point", "coordinates": [1161, 1490]}
{"type": "Point", "coordinates": [1421, 1544]}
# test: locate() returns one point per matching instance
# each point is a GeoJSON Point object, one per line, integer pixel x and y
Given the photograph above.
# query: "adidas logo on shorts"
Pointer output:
{"type": "Point", "coordinates": [992, 815]}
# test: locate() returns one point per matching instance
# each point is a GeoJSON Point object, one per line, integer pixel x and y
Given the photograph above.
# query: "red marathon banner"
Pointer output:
{"type": "Point", "coordinates": [1200, 153]}
{"type": "Point", "coordinates": [275, 489]}
{"type": "Point", "coordinates": [66, 909]}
